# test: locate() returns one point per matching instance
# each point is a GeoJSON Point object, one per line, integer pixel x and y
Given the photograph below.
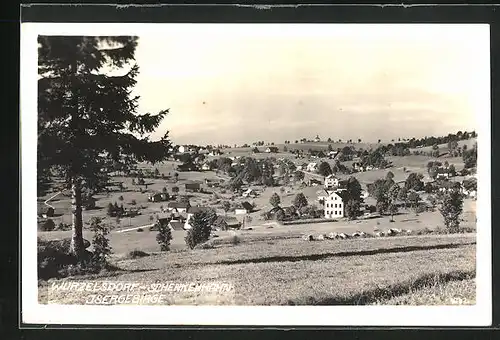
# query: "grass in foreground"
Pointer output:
{"type": "Point", "coordinates": [441, 292]}
{"type": "Point", "coordinates": [296, 272]}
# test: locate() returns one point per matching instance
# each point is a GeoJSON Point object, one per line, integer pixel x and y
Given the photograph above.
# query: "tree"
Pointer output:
{"type": "Point", "coordinates": [226, 206]}
{"type": "Point", "coordinates": [235, 183]}
{"type": "Point", "coordinates": [300, 201]}
{"type": "Point", "coordinates": [87, 117]}
{"type": "Point", "coordinates": [352, 209]}
{"type": "Point", "coordinates": [414, 198]}
{"type": "Point", "coordinates": [324, 169]}
{"type": "Point", "coordinates": [164, 236]}
{"type": "Point", "coordinates": [470, 157]}
{"type": "Point", "coordinates": [352, 198]}
{"type": "Point", "coordinates": [100, 242]}
{"type": "Point", "coordinates": [200, 229]}
{"type": "Point", "coordinates": [389, 176]}
{"type": "Point", "coordinates": [275, 200]}
{"type": "Point", "coordinates": [298, 176]}
{"type": "Point", "coordinates": [450, 207]}
{"type": "Point", "coordinates": [414, 182]}
{"type": "Point", "coordinates": [393, 195]}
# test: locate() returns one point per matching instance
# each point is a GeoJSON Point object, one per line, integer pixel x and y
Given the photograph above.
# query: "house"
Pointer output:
{"type": "Point", "coordinates": [358, 166]}
{"type": "Point", "coordinates": [332, 154]}
{"type": "Point", "coordinates": [158, 197]}
{"type": "Point", "coordinates": [334, 204]}
{"type": "Point", "coordinates": [179, 207]}
{"type": "Point", "coordinates": [178, 217]}
{"type": "Point", "coordinates": [311, 167]}
{"type": "Point", "coordinates": [176, 225]}
{"type": "Point", "coordinates": [215, 152]}
{"type": "Point", "coordinates": [314, 182]}
{"type": "Point", "coordinates": [205, 167]}
{"type": "Point", "coordinates": [193, 187]}
{"type": "Point", "coordinates": [369, 168]}
{"type": "Point", "coordinates": [182, 149]}
{"type": "Point", "coordinates": [317, 139]}
{"type": "Point", "coordinates": [245, 208]}
{"type": "Point", "coordinates": [249, 193]}
{"type": "Point", "coordinates": [364, 194]}
{"type": "Point", "coordinates": [331, 182]}
{"type": "Point", "coordinates": [227, 222]}
{"type": "Point", "coordinates": [272, 149]}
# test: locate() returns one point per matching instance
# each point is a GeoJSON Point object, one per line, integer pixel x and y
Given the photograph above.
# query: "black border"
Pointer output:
{"type": "Point", "coordinates": [248, 14]}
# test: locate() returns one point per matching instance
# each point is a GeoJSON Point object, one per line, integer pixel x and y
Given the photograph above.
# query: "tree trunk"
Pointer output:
{"type": "Point", "coordinates": [77, 248]}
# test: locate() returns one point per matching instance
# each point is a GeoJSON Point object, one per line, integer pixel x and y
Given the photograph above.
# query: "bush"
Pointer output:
{"type": "Point", "coordinates": [164, 236]}
{"type": "Point", "coordinates": [63, 226]}
{"type": "Point", "coordinates": [48, 225]}
{"type": "Point", "coordinates": [100, 242]}
{"type": "Point", "coordinates": [139, 230]}
{"type": "Point", "coordinates": [235, 240]}
{"type": "Point", "coordinates": [120, 198]}
{"type": "Point", "coordinates": [52, 257]}
{"type": "Point", "coordinates": [133, 202]}
{"type": "Point", "coordinates": [134, 254]}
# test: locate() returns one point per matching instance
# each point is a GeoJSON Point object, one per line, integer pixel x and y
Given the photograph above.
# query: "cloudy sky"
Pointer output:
{"type": "Point", "coordinates": [243, 83]}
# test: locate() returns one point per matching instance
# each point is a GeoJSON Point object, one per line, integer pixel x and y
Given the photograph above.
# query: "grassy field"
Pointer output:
{"type": "Point", "coordinates": [290, 271]}
{"type": "Point", "coordinates": [444, 147]}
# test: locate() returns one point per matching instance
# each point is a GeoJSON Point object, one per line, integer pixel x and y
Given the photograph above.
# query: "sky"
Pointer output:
{"type": "Point", "coordinates": [235, 84]}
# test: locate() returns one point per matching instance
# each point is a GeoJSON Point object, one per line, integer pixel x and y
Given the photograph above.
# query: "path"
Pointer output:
{"type": "Point", "coordinates": [50, 198]}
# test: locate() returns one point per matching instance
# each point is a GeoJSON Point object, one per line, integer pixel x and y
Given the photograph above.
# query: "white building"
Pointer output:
{"type": "Point", "coordinates": [331, 182]}
{"type": "Point", "coordinates": [334, 205]}
{"type": "Point", "coordinates": [311, 167]}
{"type": "Point", "coordinates": [182, 149]}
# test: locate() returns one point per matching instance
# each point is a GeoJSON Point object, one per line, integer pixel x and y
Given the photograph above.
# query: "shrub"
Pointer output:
{"type": "Point", "coordinates": [120, 198]}
{"type": "Point", "coordinates": [48, 225]}
{"type": "Point", "coordinates": [140, 230]}
{"type": "Point", "coordinates": [100, 242]}
{"type": "Point", "coordinates": [133, 202]}
{"type": "Point", "coordinates": [134, 254]}
{"type": "Point", "coordinates": [63, 226]}
{"type": "Point", "coordinates": [235, 240]}
{"type": "Point", "coordinates": [164, 236]}
{"type": "Point", "coordinates": [52, 257]}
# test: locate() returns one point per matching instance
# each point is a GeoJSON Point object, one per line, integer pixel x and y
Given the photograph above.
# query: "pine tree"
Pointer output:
{"type": "Point", "coordinates": [87, 118]}
{"type": "Point", "coordinates": [200, 229]}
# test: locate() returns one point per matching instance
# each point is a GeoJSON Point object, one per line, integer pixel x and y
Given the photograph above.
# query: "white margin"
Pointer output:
{"type": "Point", "coordinates": [34, 313]}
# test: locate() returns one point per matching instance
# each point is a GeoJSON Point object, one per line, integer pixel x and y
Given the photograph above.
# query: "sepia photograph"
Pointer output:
{"type": "Point", "coordinates": [260, 172]}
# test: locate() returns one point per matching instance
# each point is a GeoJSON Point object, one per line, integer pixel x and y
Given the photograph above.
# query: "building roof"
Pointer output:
{"type": "Point", "coordinates": [341, 193]}
{"type": "Point", "coordinates": [229, 220]}
{"type": "Point", "coordinates": [192, 185]}
{"type": "Point", "coordinates": [177, 225]}
{"type": "Point", "coordinates": [182, 205]}
{"type": "Point", "coordinates": [194, 210]}
{"type": "Point", "coordinates": [247, 206]}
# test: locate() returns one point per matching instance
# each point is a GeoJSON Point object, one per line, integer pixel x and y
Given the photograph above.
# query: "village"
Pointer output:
{"type": "Point", "coordinates": [199, 179]}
